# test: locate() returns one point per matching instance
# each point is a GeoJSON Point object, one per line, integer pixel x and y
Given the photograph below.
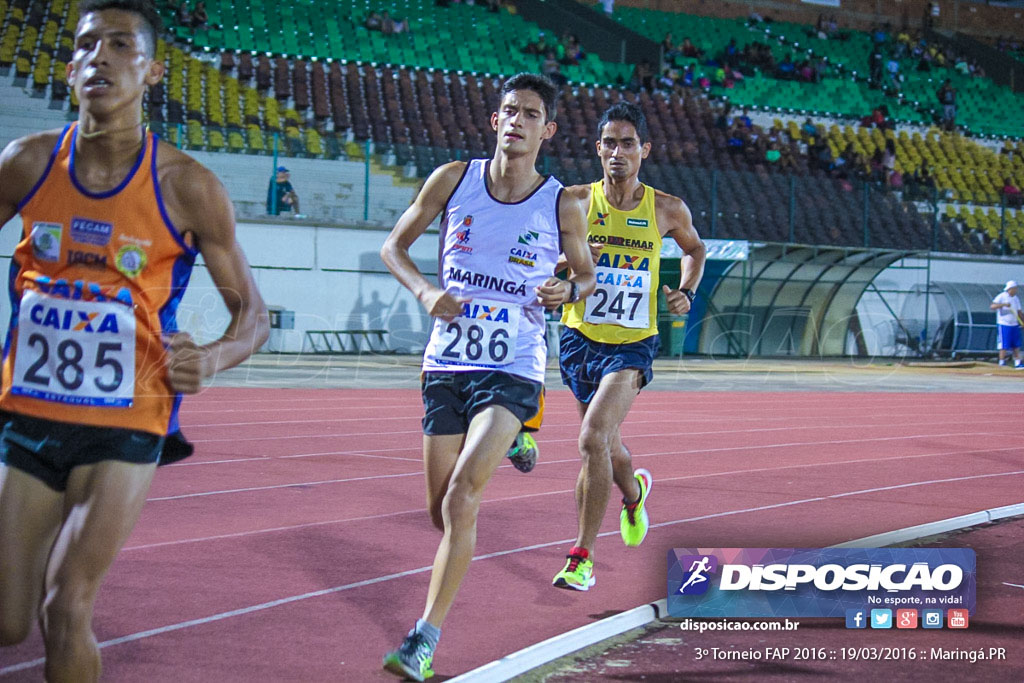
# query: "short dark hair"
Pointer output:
{"type": "Point", "coordinates": [143, 8]}
{"type": "Point", "coordinates": [542, 85]}
{"type": "Point", "coordinates": [629, 112]}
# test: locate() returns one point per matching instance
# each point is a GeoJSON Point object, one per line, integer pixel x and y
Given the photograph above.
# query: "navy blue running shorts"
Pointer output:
{"type": "Point", "coordinates": [584, 362]}
{"type": "Point", "coordinates": [452, 399]}
{"type": "Point", "coordinates": [49, 450]}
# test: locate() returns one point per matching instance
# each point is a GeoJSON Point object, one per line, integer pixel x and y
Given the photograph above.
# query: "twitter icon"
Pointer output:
{"type": "Point", "coordinates": [881, 618]}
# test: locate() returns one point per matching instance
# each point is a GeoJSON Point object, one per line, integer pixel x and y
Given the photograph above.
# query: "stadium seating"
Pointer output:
{"type": "Point", "coordinates": [460, 37]}
{"type": "Point", "coordinates": [984, 108]}
{"type": "Point", "coordinates": [237, 102]}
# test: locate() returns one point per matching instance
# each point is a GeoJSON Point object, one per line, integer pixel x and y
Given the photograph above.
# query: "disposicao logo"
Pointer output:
{"type": "Point", "coordinates": [747, 582]}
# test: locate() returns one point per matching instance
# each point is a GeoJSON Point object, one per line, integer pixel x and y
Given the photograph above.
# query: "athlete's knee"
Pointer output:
{"type": "Point", "coordinates": [462, 502]}
{"type": "Point", "coordinates": [593, 442]}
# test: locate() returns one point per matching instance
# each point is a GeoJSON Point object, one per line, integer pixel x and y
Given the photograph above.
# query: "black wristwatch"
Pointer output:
{"type": "Point", "coordinates": [574, 292]}
{"type": "Point", "coordinates": [689, 294]}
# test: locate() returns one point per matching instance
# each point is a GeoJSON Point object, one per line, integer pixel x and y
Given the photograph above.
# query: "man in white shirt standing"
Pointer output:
{"type": "Point", "coordinates": [1008, 316]}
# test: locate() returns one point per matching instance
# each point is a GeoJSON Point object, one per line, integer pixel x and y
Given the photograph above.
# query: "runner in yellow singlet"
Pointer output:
{"type": "Point", "coordinates": [610, 339]}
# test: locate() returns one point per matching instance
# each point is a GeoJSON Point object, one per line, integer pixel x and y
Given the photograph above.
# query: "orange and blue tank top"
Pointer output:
{"type": "Point", "coordinates": [94, 284]}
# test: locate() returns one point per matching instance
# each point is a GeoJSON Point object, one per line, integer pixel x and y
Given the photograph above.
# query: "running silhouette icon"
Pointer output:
{"type": "Point", "coordinates": [696, 581]}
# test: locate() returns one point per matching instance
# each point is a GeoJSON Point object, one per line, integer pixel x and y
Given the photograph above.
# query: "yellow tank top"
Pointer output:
{"type": "Point", "coordinates": [94, 284]}
{"type": "Point", "coordinates": [624, 307]}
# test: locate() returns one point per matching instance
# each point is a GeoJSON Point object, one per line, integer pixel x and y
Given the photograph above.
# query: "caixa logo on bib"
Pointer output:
{"type": "Point", "coordinates": [808, 582]}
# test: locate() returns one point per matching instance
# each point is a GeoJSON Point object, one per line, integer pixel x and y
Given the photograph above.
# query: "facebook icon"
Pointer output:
{"type": "Point", "coordinates": [856, 618]}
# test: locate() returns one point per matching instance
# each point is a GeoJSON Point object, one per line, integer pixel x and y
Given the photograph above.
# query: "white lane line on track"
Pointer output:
{"type": "Point", "coordinates": [676, 434]}
{"type": "Point", "coordinates": [696, 451]}
{"type": "Point", "coordinates": [962, 418]}
{"type": "Point", "coordinates": [560, 492]}
{"type": "Point", "coordinates": [285, 486]}
{"type": "Point", "coordinates": [22, 666]}
{"type": "Point", "coordinates": [304, 455]}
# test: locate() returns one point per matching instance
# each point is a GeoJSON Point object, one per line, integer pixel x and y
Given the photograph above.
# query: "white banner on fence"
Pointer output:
{"type": "Point", "coordinates": [717, 250]}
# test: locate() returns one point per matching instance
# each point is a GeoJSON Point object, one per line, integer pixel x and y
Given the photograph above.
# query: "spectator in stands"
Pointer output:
{"type": "Point", "coordinates": [553, 70]}
{"type": "Point", "coordinates": [574, 53]}
{"type": "Point", "coordinates": [880, 34]}
{"type": "Point", "coordinates": [609, 6]}
{"type": "Point", "coordinates": [878, 118]}
{"type": "Point", "coordinates": [806, 72]}
{"type": "Point", "coordinates": [786, 69]}
{"type": "Point", "coordinates": [892, 68]}
{"type": "Point", "coordinates": [920, 184]}
{"type": "Point", "coordinates": [823, 156]}
{"type": "Point", "coordinates": [821, 27]}
{"type": "Point", "coordinates": [875, 66]}
{"type": "Point", "coordinates": [199, 15]}
{"type": "Point", "coordinates": [689, 49]}
{"type": "Point", "coordinates": [735, 141]}
{"type": "Point", "coordinates": [724, 119]}
{"type": "Point", "coordinates": [643, 77]}
{"type": "Point", "coordinates": [669, 51]}
{"type": "Point", "coordinates": [889, 163]}
{"type": "Point", "coordinates": [730, 53]}
{"type": "Point", "coordinates": [1007, 308]}
{"type": "Point", "coordinates": [1011, 193]}
{"type": "Point", "coordinates": [688, 77]}
{"type": "Point", "coordinates": [374, 22]}
{"type": "Point", "coordinates": [494, 6]}
{"type": "Point", "coordinates": [745, 120]}
{"type": "Point", "coordinates": [787, 160]}
{"type": "Point", "coordinates": [666, 81]}
{"type": "Point", "coordinates": [387, 24]}
{"type": "Point", "coordinates": [947, 98]}
{"type": "Point", "coordinates": [286, 197]}
{"type": "Point", "coordinates": [541, 47]}
{"type": "Point", "coordinates": [809, 129]}
{"type": "Point", "coordinates": [182, 15]}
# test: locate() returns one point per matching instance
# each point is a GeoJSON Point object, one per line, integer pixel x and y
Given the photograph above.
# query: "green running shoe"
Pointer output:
{"type": "Point", "coordinates": [412, 659]}
{"type": "Point", "coordinates": [578, 573]}
{"type": "Point", "coordinates": [633, 521]}
{"type": "Point", "coordinates": [523, 453]}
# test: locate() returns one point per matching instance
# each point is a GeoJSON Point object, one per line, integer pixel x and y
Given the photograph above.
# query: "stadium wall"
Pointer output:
{"type": "Point", "coordinates": [332, 278]}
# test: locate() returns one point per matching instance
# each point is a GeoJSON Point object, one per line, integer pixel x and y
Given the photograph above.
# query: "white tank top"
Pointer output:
{"type": "Point", "coordinates": [495, 254]}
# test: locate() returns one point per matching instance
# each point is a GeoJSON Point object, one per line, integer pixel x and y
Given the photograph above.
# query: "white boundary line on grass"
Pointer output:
{"type": "Point", "coordinates": [566, 643]}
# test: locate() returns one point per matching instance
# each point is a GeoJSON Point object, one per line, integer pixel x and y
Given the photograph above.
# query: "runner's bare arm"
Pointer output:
{"type": "Point", "coordinates": [198, 204]}
{"type": "Point", "coordinates": [674, 218]}
{"type": "Point", "coordinates": [572, 220]}
{"type": "Point", "coordinates": [581, 193]}
{"type": "Point", "coordinates": [22, 164]}
{"type": "Point", "coordinates": [412, 224]}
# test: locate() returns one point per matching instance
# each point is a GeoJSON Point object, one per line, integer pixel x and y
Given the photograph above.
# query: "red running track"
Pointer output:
{"type": "Point", "coordinates": [294, 544]}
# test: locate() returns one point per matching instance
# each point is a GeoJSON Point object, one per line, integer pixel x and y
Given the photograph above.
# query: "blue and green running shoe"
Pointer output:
{"type": "Point", "coordinates": [412, 659]}
{"type": "Point", "coordinates": [523, 453]}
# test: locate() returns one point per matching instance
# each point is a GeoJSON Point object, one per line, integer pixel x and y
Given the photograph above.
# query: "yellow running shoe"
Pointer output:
{"type": "Point", "coordinates": [578, 573]}
{"type": "Point", "coordinates": [633, 521]}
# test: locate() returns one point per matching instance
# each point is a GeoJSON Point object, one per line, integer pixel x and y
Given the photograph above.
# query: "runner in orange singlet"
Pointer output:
{"type": "Point", "coordinates": [94, 366]}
